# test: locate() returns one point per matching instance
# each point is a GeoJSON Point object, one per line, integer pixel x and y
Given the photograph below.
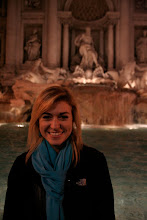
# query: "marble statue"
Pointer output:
{"type": "Point", "coordinates": [87, 51]}
{"type": "Point", "coordinates": [33, 74]}
{"type": "Point", "coordinates": [54, 74]}
{"type": "Point", "coordinates": [130, 76]}
{"type": "Point", "coordinates": [140, 77]}
{"type": "Point", "coordinates": [124, 76]}
{"type": "Point", "coordinates": [96, 76]}
{"type": "Point", "coordinates": [141, 48]}
{"type": "Point", "coordinates": [38, 73]}
{"type": "Point", "coordinates": [32, 46]}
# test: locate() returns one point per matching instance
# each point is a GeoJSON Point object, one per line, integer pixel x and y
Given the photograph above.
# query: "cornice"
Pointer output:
{"type": "Point", "coordinates": [109, 18]}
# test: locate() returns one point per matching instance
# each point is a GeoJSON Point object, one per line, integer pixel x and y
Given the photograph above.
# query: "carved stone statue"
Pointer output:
{"type": "Point", "coordinates": [140, 77]}
{"type": "Point", "coordinates": [96, 76]}
{"type": "Point", "coordinates": [33, 47]}
{"type": "Point", "coordinates": [131, 75]}
{"type": "Point", "coordinates": [86, 49]}
{"type": "Point", "coordinates": [141, 48]}
{"type": "Point", "coordinates": [38, 73]}
{"type": "Point", "coordinates": [123, 77]}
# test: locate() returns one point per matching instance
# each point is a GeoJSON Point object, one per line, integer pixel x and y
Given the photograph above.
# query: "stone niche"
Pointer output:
{"type": "Point", "coordinates": [32, 36]}
{"type": "Point", "coordinates": [141, 45]}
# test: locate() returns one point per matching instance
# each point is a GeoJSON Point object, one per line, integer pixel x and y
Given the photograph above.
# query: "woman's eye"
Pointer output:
{"type": "Point", "coordinates": [63, 117]}
{"type": "Point", "coordinates": [46, 117]}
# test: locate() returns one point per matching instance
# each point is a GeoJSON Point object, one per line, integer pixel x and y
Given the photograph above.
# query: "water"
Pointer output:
{"type": "Point", "coordinates": [124, 148]}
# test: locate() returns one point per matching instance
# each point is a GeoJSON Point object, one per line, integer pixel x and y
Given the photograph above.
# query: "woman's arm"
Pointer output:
{"type": "Point", "coordinates": [13, 208]}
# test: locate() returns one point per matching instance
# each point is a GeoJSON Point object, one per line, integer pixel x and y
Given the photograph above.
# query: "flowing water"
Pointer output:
{"type": "Point", "coordinates": [124, 148]}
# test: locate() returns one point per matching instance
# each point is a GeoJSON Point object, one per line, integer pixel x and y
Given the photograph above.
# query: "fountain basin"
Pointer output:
{"type": "Point", "coordinates": [99, 104]}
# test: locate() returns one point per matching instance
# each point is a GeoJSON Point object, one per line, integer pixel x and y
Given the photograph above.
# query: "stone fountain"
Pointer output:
{"type": "Point", "coordinates": [112, 98]}
{"type": "Point", "coordinates": [105, 98]}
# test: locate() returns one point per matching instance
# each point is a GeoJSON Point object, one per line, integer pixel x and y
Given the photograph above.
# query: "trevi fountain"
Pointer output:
{"type": "Point", "coordinates": [92, 53]}
{"type": "Point", "coordinates": [98, 48]}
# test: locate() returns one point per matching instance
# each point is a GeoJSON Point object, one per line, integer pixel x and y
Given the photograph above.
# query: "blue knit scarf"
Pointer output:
{"type": "Point", "coordinates": [53, 167]}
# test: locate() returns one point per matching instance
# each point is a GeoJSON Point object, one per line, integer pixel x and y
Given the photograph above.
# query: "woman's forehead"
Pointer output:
{"type": "Point", "coordinates": [60, 106]}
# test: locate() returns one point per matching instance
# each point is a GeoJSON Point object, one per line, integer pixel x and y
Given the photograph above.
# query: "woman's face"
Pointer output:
{"type": "Point", "coordinates": [56, 124]}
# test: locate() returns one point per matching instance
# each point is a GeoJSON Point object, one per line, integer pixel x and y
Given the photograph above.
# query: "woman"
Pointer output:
{"type": "Point", "coordinates": [59, 177]}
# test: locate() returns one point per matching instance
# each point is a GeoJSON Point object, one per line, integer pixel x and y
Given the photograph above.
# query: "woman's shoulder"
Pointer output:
{"type": "Point", "coordinates": [91, 151]}
{"type": "Point", "coordinates": [92, 160]}
{"type": "Point", "coordinates": [18, 169]}
{"type": "Point", "coordinates": [20, 158]}
{"type": "Point", "coordinates": [19, 164]}
{"type": "Point", "coordinates": [91, 154]}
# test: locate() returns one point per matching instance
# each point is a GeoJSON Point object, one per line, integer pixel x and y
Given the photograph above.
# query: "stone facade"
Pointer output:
{"type": "Point", "coordinates": [116, 26]}
{"type": "Point", "coordinates": [37, 45]}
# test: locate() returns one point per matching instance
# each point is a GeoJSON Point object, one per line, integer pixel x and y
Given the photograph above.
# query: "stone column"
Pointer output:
{"type": "Point", "coordinates": [110, 46]}
{"type": "Point", "coordinates": [124, 31]}
{"type": "Point", "coordinates": [72, 43]}
{"type": "Point", "coordinates": [59, 44]}
{"type": "Point", "coordinates": [117, 49]}
{"type": "Point", "coordinates": [132, 35]}
{"type": "Point", "coordinates": [132, 45]}
{"type": "Point", "coordinates": [11, 30]}
{"type": "Point", "coordinates": [101, 44]}
{"type": "Point", "coordinates": [19, 36]}
{"type": "Point", "coordinates": [52, 26]}
{"type": "Point", "coordinates": [65, 45]}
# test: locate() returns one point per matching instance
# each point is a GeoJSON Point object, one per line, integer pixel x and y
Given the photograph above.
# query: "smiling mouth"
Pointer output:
{"type": "Point", "coordinates": [55, 134]}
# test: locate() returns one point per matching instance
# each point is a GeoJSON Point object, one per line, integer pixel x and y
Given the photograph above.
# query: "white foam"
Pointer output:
{"type": "Point", "coordinates": [108, 127]}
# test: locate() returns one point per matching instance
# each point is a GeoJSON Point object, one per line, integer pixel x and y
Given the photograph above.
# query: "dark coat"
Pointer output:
{"type": "Point", "coordinates": [25, 197]}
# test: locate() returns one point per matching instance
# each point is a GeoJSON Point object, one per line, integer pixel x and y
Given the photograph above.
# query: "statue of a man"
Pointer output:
{"type": "Point", "coordinates": [86, 49]}
{"type": "Point", "coordinates": [33, 47]}
{"type": "Point", "coordinates": [141, 48]}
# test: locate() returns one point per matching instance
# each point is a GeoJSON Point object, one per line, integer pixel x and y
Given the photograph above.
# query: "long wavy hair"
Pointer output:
{"type": "Point", "coordinates": [47, 98]}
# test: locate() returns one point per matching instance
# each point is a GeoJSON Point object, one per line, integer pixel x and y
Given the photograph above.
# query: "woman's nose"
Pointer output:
{"type": "Point", "coordinates": [55, 124]}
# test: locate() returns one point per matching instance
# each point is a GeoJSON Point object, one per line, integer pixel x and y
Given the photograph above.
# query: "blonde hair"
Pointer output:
{"type": "Point", "coordinates": [48, 97]}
